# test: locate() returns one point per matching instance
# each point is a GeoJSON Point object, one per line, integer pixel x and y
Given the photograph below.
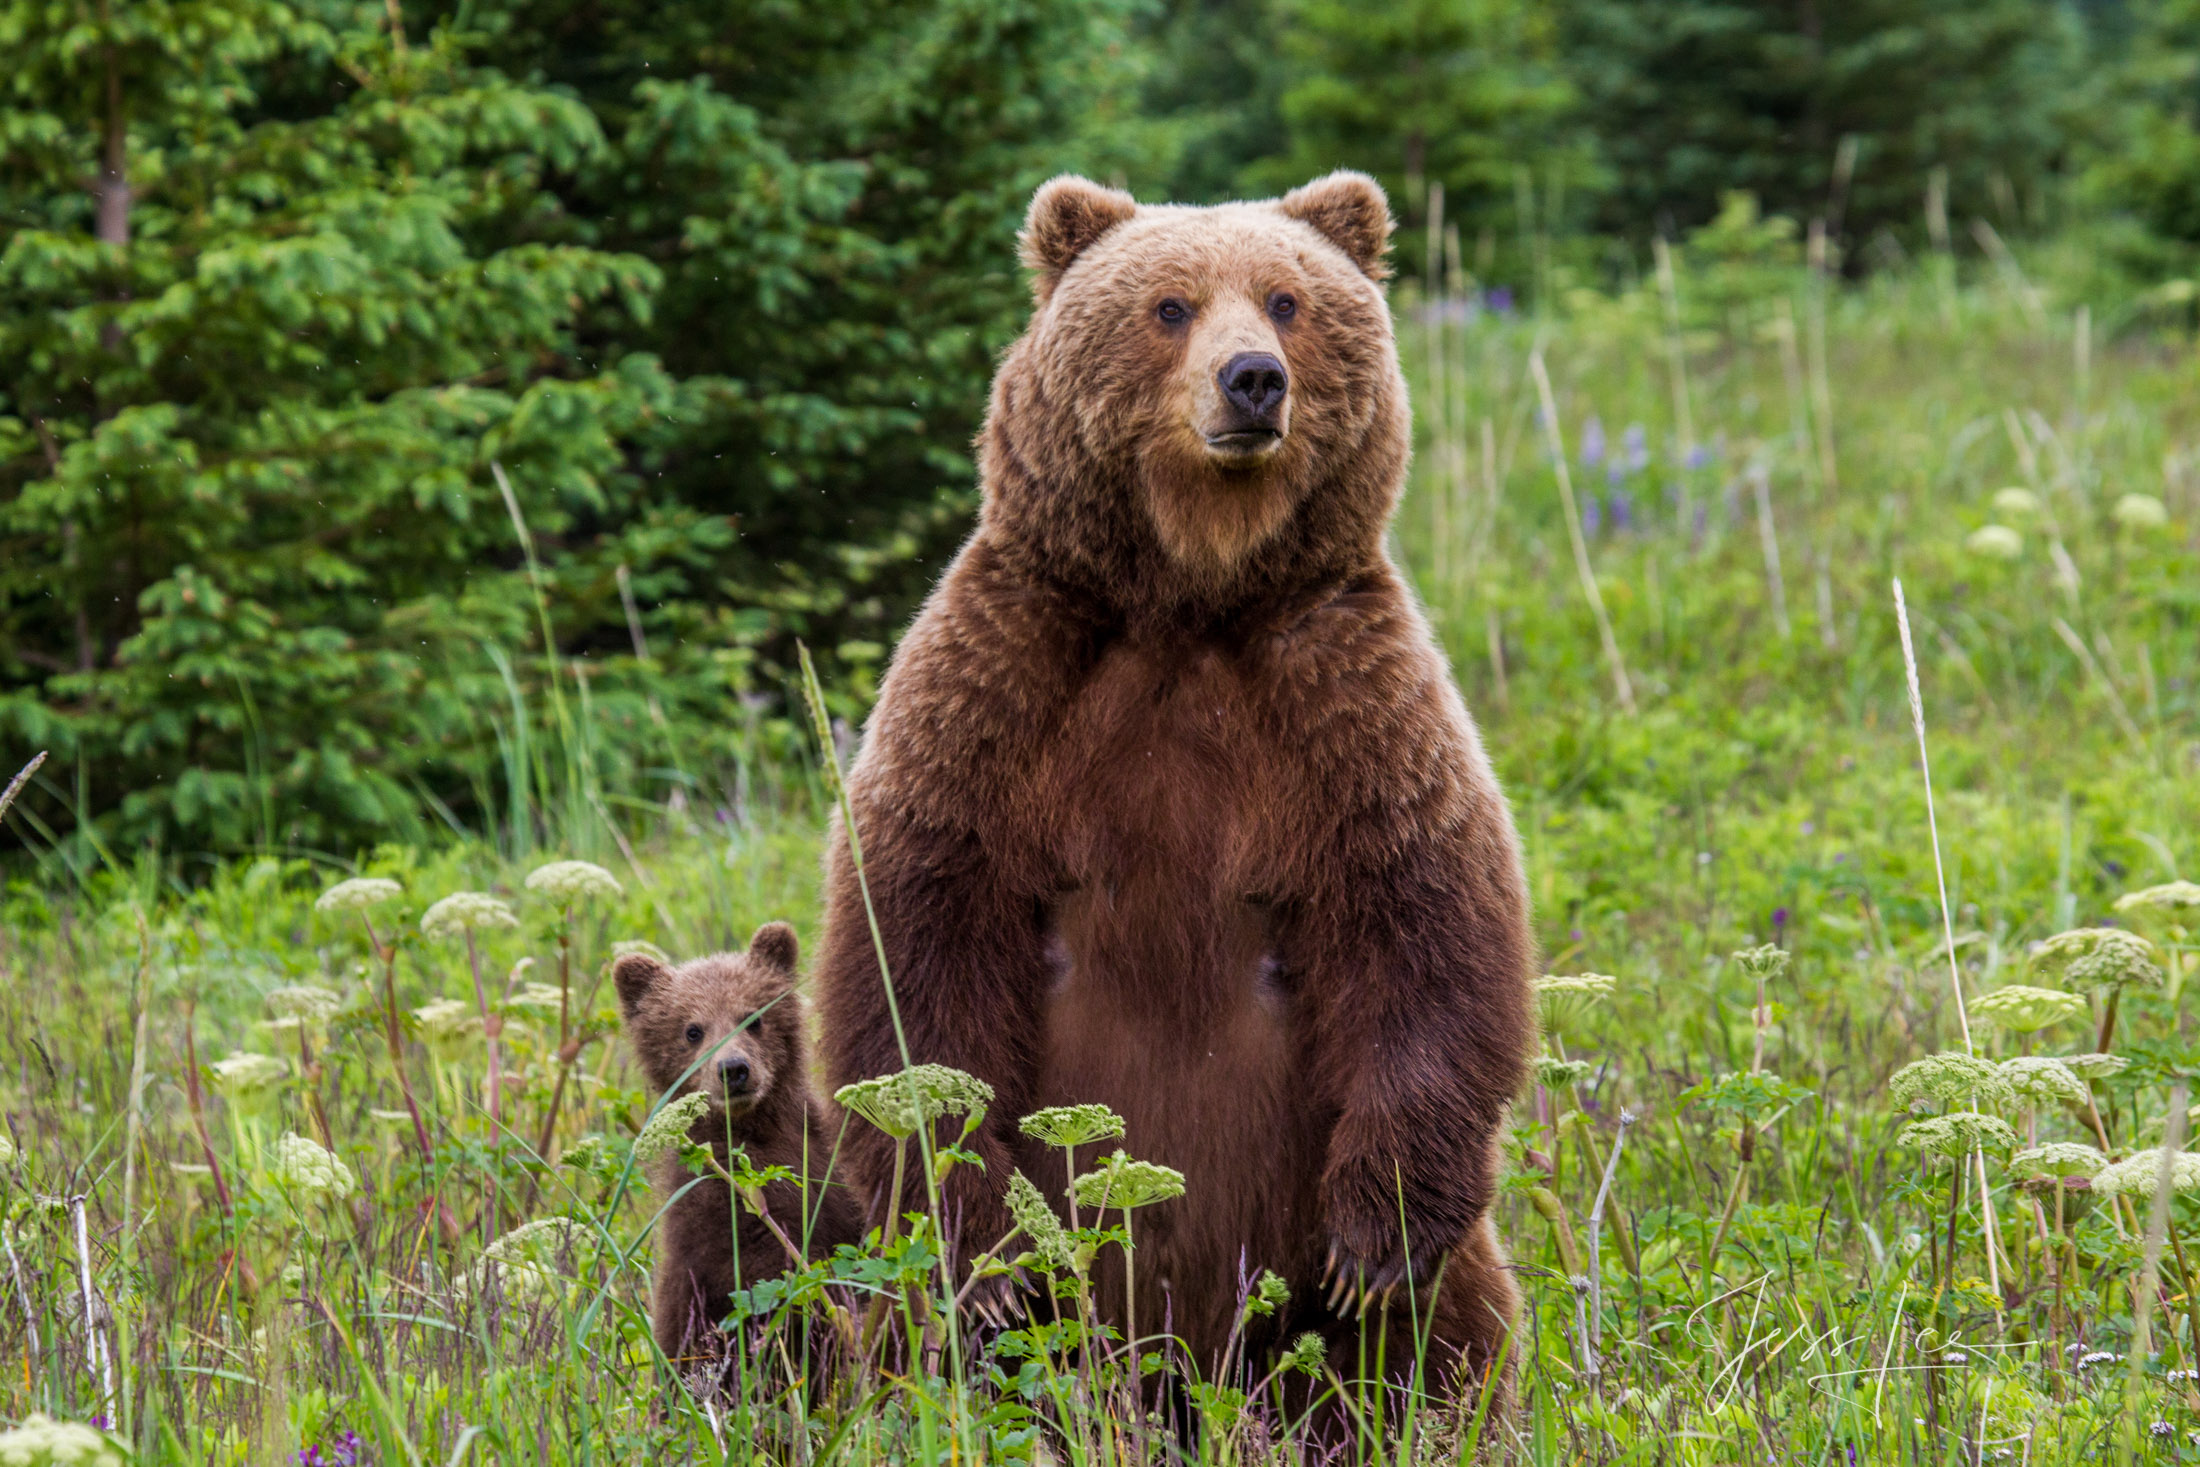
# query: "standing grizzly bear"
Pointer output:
{"type": "Point", "coordinates": [730, 1027]}
{"type": "Point", "coordinates": [1169, 801]}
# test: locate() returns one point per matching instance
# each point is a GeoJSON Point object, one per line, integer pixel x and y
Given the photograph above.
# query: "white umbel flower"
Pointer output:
{"type": "Point", "coordinates": [41, 1441]}
{"type": "Point", "coordinates": [357, 894]}
{"type": "Point", "coordinates": [569, 881]}
{"type": "Point", "coordinates": [2140, 1173]}
{"type": "Point", "coordinates": [2140, 512]}
{"type": "Point", "coordinates": [446, 1026]}
{"type": "Point", "coordinates": [2058, 1159]}
{"type": "Point", "coordinates": [304, 1001]}
{"type": "Point", "coordinates": [2169, 896]}
{"type": "Point", "coordinates": [2026, 1009]}
{"type": "Point", "coordinates": [2037, 1080]}
{"type": "Point", "coordinates": [670, 1126]}
{"type": "Point", "coordinates": [1997, 542]}
{"type": "Point", "coordinates": [465, 911]}
{"type": "Point", "coordinates": [311, 1173]}
{"type": "Point", "coordinates": [527, 1261]}
{"type": "Point", "coordinates": [248, 1079]}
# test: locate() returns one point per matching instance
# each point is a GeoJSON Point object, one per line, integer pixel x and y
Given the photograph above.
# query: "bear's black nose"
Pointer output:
{"type": "Point", "coordinates": [1253, 382]}
{"type": "Point", "coordinates": [733, 1073]}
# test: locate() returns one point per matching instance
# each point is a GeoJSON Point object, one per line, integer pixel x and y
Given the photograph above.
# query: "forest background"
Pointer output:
{"type": "Point", "coordinates": [417, 416]}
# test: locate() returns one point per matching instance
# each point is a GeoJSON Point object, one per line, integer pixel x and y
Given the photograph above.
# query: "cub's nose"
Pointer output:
{"type": "Point", "coordinates": [1254, 382]}
{"type": "Point", "coordinates": [733, 1073]}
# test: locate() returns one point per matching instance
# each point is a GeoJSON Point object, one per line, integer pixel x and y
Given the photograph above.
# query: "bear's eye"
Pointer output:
{"type": "Point", "coordinates": [695, 1033]}
{"type": "Point", "coordinates": [1173, 312]}
{"type": "Point", "coordinates": [1283, 306]}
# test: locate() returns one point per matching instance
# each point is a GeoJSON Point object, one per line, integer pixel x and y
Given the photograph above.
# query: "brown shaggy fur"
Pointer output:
{"type": "Point", "coordinates": [685, 1023]}
{"type": "Point", "coordinates": [1169, 801]}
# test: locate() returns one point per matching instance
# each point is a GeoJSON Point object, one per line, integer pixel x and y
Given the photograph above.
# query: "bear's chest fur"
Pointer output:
{"type": "Point", "coordinates": [1163, 782]}
{"type": "Point", "coordinates": [1170, 993]}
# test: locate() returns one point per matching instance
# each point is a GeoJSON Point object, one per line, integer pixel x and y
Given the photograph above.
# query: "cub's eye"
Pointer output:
{"type": "Point", "coordinates": [1283, 306]}
{"type": "Point", "coordinates": [1173, 312]}
{"type": "Point", "coordinates": [695, 1033]}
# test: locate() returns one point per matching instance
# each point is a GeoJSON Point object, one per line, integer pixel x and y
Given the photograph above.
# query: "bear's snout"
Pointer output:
{"type": "Point", "coordinates": [1254, 384]}
{"type": "Point", "coordinates": [736, 1076]}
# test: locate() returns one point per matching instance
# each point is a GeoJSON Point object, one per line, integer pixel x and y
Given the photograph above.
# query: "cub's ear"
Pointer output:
{"type": "Point", "coordinates": [775, 944]}
{"type": "Point", "coordinates": [1349, 210]}
{"type": "Point", "coordinates": [1067, 216]}
{"type": "Point", "coordinates": [634, 975]}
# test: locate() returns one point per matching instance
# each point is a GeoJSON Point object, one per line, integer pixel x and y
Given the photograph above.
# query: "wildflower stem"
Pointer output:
{"type": "Point", "coordinates": [1745, 1147]}
{"type": "Point", "coordinates": [386, 954]}
{"type": "Point", "coordinates": [309, 1073]}
{"type": "Point", "coordinates": [875, 1317]}
{"type": "Point", "coordinates": [195, 1097]}
{"type": "Point", "coordinates": [22, 1297]}
{"type": "Point", "coordinates": [1130, 1335]}
{"type": "Point", "coordinates": [1621, 687]}
{"type": "Point", "coordinates": [1596, 1225]}
{"type": "Point", "coordinates": [1546, 1204]}
{"type": "Point", "coordinates": [2062, 1245]}
{"type": "Point", "coordinates": [1948, 1254]}
{"type": "Point", "coordinates": [1677, 359]}
{"type": "Point", "coordinates": [2192, 1298]}
{"type": "Point", "coordinates": [95, 1343]}
{"type": "Point", "coordinates": [568, 1050]}
{"type": "Point", "coordinates": [2146, 1287]}
{"type": "Point", "coordinates": [492, 1033]}
{"type": "Point", "coordinates": [962, 1295]}
{"type": "Point", "coordinates": [1597, 1165]}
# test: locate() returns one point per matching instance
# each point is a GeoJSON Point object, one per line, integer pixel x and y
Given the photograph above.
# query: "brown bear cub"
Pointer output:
{"type": "Point", "coordinates": [730, 1027]}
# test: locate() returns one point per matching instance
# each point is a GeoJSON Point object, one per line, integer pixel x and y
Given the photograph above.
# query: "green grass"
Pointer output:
{"type": "Point", "coordinates": [1764, 788]}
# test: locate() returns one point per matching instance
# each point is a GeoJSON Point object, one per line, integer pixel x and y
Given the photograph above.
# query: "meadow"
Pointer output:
{"type": "Point", "coordinates": [259, 1208]}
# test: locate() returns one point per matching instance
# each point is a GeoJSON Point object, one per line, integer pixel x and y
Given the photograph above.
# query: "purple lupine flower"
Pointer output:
{"type": "Point", "coordinates": [343, 1451]}
{"type": "Point", "coordinates": [1499, 299]}
{"type": "Point", "coordinates": [1696, 457]}
{"type": "Point", "coordinates": [1779, 922]}
{"type": "Point", "coordinates": [1592, 442]}
{"type": "Point", "coordinates": [1592, 514]}
{"type": "Point", "coordinates": [1634, 449]}
{"type": "Point", "coordinates": [1623, 511]}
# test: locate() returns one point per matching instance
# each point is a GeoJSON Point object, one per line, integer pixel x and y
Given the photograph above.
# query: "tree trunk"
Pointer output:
{"type": "Point", "coordinates": [113, 224]}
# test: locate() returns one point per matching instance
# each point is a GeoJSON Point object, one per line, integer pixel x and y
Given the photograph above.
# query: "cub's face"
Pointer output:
{"type": "Point", "coordinates": [1232, 358]}
{"type": "Point", "coordinates": [727, 1026]}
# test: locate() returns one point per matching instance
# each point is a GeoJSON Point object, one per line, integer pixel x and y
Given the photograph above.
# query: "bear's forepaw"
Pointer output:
{"type": "Point", "coordinates": [1354, 1281]}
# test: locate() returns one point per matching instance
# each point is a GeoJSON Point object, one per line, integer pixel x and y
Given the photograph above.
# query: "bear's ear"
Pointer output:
{"type": "Point", "coordinates": [1349, 210]}
{"type": "Point", "coordinates": [1067, 215]}
{"type": "Point", "coordinates": [634, 975]}
{"type": "Point", "coordinates": [775, 944]}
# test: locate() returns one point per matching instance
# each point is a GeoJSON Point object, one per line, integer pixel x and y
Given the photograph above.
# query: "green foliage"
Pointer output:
{"type": "Point", "coordinates": [258, 584]}
{"type": "Point", "coordinates": [1459, 92]}
{"type": "Point", "coordinates": [1745, 1095]}
{"type": "Point", "coordinates": [1690, 100]}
